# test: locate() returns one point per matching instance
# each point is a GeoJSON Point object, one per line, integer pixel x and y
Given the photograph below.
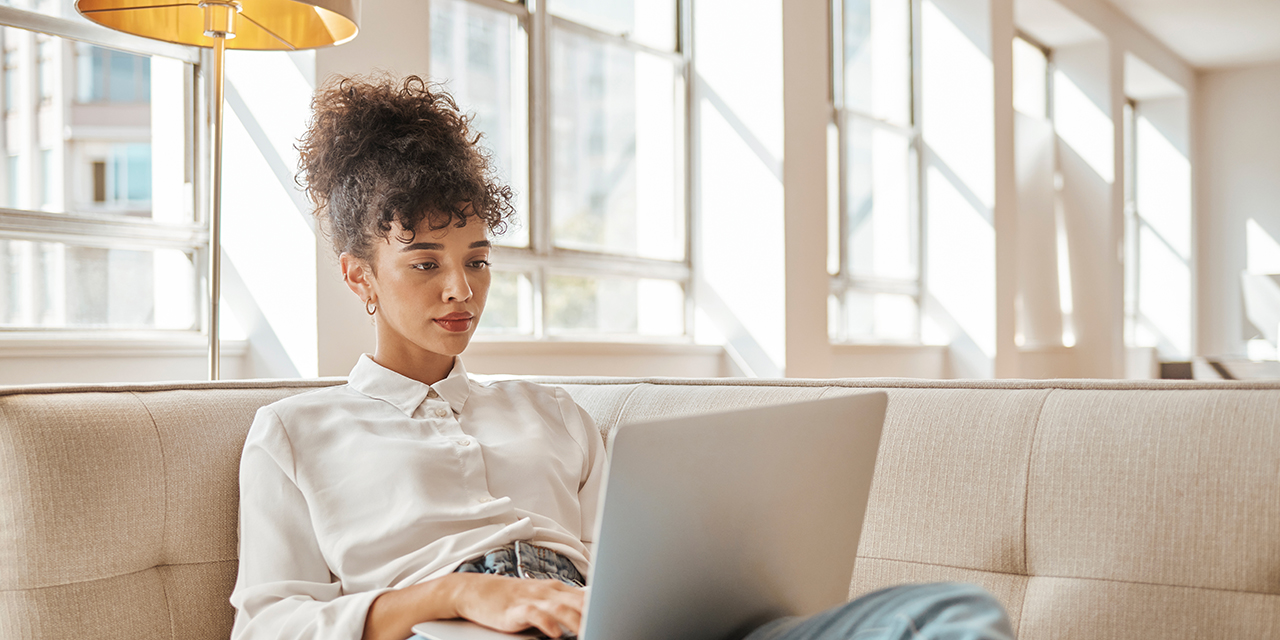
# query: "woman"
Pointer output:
{"type": "Point", "coordinates": [413, 493]}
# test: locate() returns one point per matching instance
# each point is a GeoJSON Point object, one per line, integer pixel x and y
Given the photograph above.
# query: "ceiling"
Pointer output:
{"type": "Point", "coordinates": [1212, 33]}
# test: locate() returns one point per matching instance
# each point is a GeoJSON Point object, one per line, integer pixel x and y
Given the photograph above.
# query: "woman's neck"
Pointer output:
{"type": "Point", "coordinates": [424, 366]}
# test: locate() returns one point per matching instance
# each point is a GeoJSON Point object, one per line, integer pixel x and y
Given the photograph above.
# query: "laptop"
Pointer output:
{"type": "Point", "coordinates": [715, 524]}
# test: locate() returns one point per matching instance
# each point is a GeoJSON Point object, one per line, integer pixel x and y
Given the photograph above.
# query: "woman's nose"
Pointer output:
{"type": "Point", "coordinates": [456, 287]}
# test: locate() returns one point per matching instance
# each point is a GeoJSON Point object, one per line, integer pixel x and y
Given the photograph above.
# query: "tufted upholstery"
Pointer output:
{"type": "Point", "coordinates": [1092, 509]}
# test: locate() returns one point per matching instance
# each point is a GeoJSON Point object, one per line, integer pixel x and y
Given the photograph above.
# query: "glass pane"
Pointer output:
{"type": "Point", "coordinates": [55, 285]}
{"type": "Point", "coordinates": [118, 148]}
{"type": "Point", "coordinates": [617, 150]}
{"type": "Point", "coordinates": [881, 226]}
{"type": "Point", "coordinates": [480, 55]}
{"type": "Point", "coordinates": [877, 58]}
{"type": "Point", "coordinates": [651, 22]}
{"type": "Point", "coordinates": [881, 316]}
{"type": "Point", "coordinates": [12, 71]}
{"type": "Point", "coordinates": [47, 77]}
{"type": "Point", "coordinates": [1030, 79]}
{"type": "Point", "coordinates": [510, 306]}
{"type": "Point", "coordinates": [1164, 297]}
{"type": "Point", "coordinates": [578, 304]}
{"type": "Point", "coordinates": [64, 8]}
{"type": "Point", "coordinates": [1163, 186]}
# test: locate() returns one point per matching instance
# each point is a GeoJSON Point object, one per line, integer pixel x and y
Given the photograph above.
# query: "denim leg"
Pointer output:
{"type": "Point", "coordinates": [938, 611]}
{"type": "Point", "coordinates": [521, 559]}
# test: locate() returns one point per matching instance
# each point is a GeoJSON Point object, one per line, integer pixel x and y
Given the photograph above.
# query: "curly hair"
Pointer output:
{"type": "Point", "coordinates": [379, 151]}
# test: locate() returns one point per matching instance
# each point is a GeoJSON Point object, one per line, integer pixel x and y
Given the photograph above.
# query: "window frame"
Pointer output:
{"type": "Point", "coordinates": [108, 231]}
{"type": "Point", "coordinates": [842, 282]}
{"type": "Point", "coordinates": [541, 259]}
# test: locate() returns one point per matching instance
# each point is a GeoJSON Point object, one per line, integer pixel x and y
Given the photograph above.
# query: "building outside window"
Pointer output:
{"type": "Point", "coordinates": [583, 106]}
{"type": "Point", "coordinates": [99, 228]}
{"type": "Point", "coordinates": [874, 143]}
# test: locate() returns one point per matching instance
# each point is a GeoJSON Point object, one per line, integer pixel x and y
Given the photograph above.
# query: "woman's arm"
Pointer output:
{"type": "Point", "coordinates": [498, 602]}
{"type": "Point", "coordinates": [284, 589]}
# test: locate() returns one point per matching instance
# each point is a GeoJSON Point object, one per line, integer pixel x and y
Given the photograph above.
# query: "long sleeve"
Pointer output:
{"type": "Point", "coordinates": [284, 589]}
{"type": "Point", "coordinates": [593, 467]}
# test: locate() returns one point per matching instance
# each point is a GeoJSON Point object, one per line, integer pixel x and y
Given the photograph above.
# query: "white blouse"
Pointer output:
{"type": "Point", "coordinates": [347, 492]}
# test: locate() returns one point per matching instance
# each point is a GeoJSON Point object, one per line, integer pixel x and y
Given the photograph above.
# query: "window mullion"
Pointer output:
{"type": "Point", "coordinates": [918, 201]}
{"type": "Point", "coordinates": [684, 42]}
{"type": "Point", "coordinates": [539, 156]}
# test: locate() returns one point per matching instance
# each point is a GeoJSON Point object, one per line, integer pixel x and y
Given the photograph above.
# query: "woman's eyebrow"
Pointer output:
{"type": "Point", "coordinates": [436, 246]}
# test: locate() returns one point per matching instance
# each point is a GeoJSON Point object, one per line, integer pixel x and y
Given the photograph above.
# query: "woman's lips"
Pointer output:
{"type": "Point", "coordinates": [455, 322]}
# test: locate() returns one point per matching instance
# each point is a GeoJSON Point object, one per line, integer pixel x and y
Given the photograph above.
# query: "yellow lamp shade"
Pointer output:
{"type": "Point", "coordinates": [260, 25]}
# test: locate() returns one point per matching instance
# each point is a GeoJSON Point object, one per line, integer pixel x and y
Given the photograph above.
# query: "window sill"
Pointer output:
{"type": "Point", "coordinates": [511, 346]}
{"type": "Point", "coordinates": [888, 348]}
{"type": "Point", "coordinates": [105, 344]}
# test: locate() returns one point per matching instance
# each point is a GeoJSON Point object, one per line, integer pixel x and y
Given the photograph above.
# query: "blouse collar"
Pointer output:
{"type": "Point", "coordinates": [377, 381]}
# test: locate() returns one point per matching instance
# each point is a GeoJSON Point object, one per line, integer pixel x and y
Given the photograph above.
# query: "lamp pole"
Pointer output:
{"type": "Point", "coordinates": [219, 24]}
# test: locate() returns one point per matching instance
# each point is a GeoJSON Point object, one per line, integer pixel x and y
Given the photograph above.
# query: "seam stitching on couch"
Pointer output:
{"type": "Point", "coordinates": [622, 409]}
{"type": "Point", "coordinates": [164, 509]}
{"type": "Point", "coordinates": [1026, 500]}
{"type": "Point", "coordinates": [1028, 576]}
{"type": "Point", "coordinates": [119, 575]}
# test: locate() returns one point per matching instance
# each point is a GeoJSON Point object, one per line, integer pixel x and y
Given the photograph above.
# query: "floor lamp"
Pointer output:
{"type": "Point", "coordinates": [274, 25]}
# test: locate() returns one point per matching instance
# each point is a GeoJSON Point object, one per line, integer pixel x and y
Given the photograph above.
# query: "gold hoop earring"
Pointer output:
{"type": "Point", "coordinates": [370, 307]}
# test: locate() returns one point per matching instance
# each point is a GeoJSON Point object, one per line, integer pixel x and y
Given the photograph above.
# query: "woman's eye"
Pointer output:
{"type": "Point", "coordinates": [480, 264]}
{"type": "Point", "coordinates": [423, 266]}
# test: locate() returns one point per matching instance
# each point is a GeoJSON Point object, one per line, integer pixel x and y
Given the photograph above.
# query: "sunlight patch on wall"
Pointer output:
{"type": "Point", "coordinates": [1262, 250]}
{"type": "Point", "coordinates": [1084, 126]}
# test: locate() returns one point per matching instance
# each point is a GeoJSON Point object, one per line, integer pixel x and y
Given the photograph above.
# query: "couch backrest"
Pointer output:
{"type": "Point", "coordinates": [1091, 509]}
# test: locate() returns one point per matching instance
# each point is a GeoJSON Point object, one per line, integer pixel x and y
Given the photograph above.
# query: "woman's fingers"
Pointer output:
{"type": "Point", "coordinates": [544, 622]}
{"type": "Point", "coordinates": [567, 616]}
{"type": "Point", "coordinates": [512, 604]}
{"type": "Point", "coordinates": [559, 613]}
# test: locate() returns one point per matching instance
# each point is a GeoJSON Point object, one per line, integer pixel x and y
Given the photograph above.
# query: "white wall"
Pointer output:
{"type": "Point", "coordinates": [1238, 180]}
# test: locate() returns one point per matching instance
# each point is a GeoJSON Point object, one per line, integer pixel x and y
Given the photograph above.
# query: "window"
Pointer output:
{"type": "Point", "coordinates": [875, 214]}
{"type": "Point", "coordinates": [600, 246]}
{"type": "Point", "coordinates": [1157, 237]}
{"type": "Point", "coordinates": [99, 228]}
{"type": "Point", "coordinates": [1046, 308]}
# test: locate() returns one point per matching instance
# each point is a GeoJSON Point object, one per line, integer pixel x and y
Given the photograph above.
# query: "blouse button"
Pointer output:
{"type": "Point", "coordinates": [484, 499]}
{"type": "Point", "coordinates": [442, 412]}
{"type": "Point", "coordinates": [463, 442]}
{"type": "Point", "coordinates": [431, 393]}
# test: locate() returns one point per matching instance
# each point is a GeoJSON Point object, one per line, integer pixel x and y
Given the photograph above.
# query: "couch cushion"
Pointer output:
{"type": "Point", "coordinates": [118, 508]}
{"type": "Point", "coordinates": [1161, 487]}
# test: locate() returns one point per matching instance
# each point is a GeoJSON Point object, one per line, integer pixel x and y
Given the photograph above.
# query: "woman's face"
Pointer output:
{"type": "Point", "coordinates": [429, 292]}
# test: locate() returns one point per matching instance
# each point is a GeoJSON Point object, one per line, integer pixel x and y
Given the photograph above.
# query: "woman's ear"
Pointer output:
{"type": "Point", "coordinates": [358, 275]}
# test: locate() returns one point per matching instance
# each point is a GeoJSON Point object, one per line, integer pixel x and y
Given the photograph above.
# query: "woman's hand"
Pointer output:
{"type": "Point", "coordinates": [498, 602]}
{"type": "Point", "coordinates": [512, 604]}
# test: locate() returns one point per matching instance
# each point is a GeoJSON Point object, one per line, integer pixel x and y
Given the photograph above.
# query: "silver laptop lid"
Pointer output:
{"type": "Point", "coordinates": [716, 523]}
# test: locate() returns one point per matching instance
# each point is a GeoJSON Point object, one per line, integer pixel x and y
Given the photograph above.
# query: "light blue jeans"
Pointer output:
{"type": "Point", "coordinates": [938, 611]}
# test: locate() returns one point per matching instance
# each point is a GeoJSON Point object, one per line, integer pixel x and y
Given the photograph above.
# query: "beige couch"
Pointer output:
{"type": "Point", "coordinates": [1091, 509]}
